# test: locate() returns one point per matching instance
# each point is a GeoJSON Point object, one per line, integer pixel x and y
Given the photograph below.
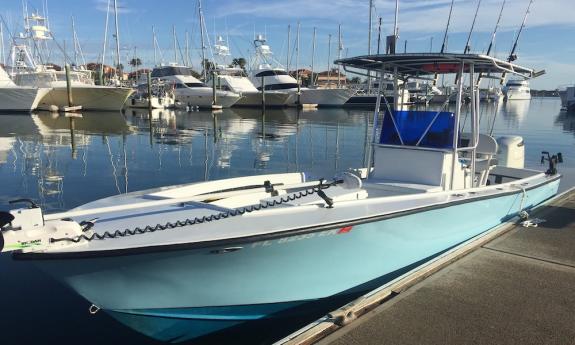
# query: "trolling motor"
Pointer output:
{"type": "Point", "coordinates": [25, 230]}
{"type": "Point", "coordinates": [553, 161]}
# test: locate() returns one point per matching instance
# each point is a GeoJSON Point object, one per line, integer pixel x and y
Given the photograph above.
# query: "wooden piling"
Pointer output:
{"type": "Point", "coordinates": [263, 83]}
{"type": "Point", "coordinates": [149, 79]}
{"type": "Point", "coordinates": [214, 93]}
{"type": "Point", "coordinates": [69, 86]}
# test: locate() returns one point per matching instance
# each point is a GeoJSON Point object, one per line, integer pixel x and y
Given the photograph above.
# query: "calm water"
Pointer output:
{"type": "Point", "coordinates": [62, 162]}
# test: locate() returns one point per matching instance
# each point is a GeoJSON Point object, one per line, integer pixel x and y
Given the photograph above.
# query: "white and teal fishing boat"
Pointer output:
{"type": "Point", "coordinates": [181, 262]}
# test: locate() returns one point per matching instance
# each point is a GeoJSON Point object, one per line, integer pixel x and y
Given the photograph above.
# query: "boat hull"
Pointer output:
{"type": "Point", "coordinates": [183, 294]}
{"type": "Point", "coordinates": [273, 99]}
{"type": "Point", "coordinates": [203, 97]}
{"type": "Point", "coordinates": [89, 97]}
{"type": "Point", "coordinates": [157, 103]}
{"type": "Point", "coordinates": [512, 95]}
{"type": "Point", "coordinates": [326, 97]}
{"type": "Point", "coordinates": [21, 99]}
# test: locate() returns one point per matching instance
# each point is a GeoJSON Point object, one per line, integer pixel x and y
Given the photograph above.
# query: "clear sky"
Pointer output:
{"type": "Point", "coordinates": [546, 43]}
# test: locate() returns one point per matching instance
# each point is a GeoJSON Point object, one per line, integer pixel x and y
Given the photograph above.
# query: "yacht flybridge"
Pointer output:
{"type": "Point", "coordinates": [181, 262]}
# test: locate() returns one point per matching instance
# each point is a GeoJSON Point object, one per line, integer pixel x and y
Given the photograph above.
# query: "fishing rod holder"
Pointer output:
{"type": "Point", "coordinates": [553, 161]}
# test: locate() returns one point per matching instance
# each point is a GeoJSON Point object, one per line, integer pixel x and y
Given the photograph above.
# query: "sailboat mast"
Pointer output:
{"type": "Point", "coordinates": [467, 47]}
{"type": "Point", "coordinates": [288, 47]}
{"type": "Point", "coordinates": [297, 53]}
{"type": "Point", "coordinates": [329, 60]}
{"type": "Point", "coordinates": [312, 81]}
{"type": "Point", "coordinates": [154, 44]}
{"type": "Point", "coordinates": [512, 56]}
{"type": "Point", "coordinates": [204, 62]}
{"type": "Point", "coordinates": [447, 28]}
{"type": "Point", "coordinates": [2, 55]}
{"type": "Point", "coordinates": [118, 67]}
{"type": "Point", "coordinates": [187, 49]}
{"type": "Point", "coordinates": [105, 44]}
{"type": "Point", "coordinates": [339, 48]}
{"type": "Point", "coordinates": [175, 44]}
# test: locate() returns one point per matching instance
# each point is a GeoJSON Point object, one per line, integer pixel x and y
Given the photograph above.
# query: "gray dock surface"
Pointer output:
{"type": "Point", "coordinates": [516, 289]}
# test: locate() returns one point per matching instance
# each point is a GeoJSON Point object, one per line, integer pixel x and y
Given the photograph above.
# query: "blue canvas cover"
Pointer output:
{"type": "Point", "coordinates": [412, 124]}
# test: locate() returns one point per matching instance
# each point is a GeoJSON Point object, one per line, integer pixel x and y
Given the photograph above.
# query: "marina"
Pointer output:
{"type": "Point", "coordinates": [214, 194]}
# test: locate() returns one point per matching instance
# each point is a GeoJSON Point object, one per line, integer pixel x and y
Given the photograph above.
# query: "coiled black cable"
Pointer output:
{"type": "Point", "coordinates": [205, 219]}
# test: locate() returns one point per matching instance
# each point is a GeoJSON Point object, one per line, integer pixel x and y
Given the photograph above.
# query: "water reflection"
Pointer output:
{"type": "Point", "coordinates": [62, 162]}
{"type": "Point", "coordinates": [566, 120]}
{"type": "Point", "coordinates": [98, 154]}
{"type": "Point", "coordinates": [515, 112]}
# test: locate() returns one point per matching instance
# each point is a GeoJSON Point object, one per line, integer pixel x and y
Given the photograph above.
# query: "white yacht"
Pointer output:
{"type": "Point", "coordinates": [18, 98]}
{"type": "Point", "coordinates": [190, 91]}
{"type": "Point", "coordinates": [422, 92]}
{"type": "Point", "coordinates": [161, 95]}
{"type": "Point", "coordinates": [517, 89]}
{"type": "Point", "coordinates": [276, 79]}
{"type": "Point", "coordinates": [235, 79]}
{"type": "Point", "coordinates": [367, 96]}
{"type": "Point", "coordinates": [491, 94]}
{"type": "Point", "coordinates": [26, 71]}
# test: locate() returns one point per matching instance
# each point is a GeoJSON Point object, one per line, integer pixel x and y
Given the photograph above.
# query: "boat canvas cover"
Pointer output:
{"type": "Point", "coordinates": [412, 125]}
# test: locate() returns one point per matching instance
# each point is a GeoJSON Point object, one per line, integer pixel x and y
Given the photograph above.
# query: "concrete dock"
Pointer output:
{"type": "Point", "coordinates": [517, 287]}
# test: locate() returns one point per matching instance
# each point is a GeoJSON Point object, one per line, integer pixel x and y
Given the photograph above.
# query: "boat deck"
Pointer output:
{"type": "Point", "coordinates": [515, 289]}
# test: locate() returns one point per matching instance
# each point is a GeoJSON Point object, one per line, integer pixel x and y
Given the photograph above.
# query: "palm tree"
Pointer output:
{"type": "Point", "coordinates": [135, 62]}
{"type": "Point", "coordinates": [240, 62]}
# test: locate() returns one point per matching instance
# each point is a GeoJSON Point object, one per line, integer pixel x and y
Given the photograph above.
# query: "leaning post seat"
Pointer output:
{"type": "Point", "coordinates": [415, 151]}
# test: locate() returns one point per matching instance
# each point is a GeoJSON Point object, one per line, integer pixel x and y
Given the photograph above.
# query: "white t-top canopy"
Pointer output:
{"type": "Point", "coordinates": [425, 64]}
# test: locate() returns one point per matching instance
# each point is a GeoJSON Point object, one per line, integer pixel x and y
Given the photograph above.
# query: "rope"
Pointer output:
{"type": "Point", "coordinates": [522, 213]}
{"type": "Point", "coordinates": [204, 219]}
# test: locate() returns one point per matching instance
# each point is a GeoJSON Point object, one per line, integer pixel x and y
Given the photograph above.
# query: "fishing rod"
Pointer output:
{"type": "Point", "coordinates": [467, 47]}
{"type": "Point", "coordinates": [493, 37]}
{"type": "Point", "coordinates": [512, 56]}
{"type": "Point", "coordinates": [443, 45]}
{"type": "Point", "coordinates": [447, 27]}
